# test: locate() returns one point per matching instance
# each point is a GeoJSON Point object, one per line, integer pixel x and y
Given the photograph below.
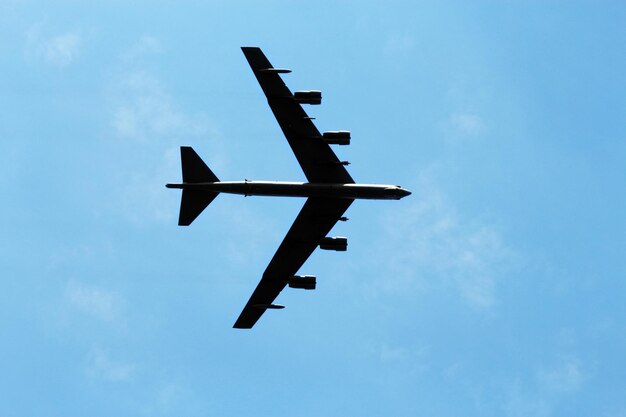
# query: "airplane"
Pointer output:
{"type": "Point", "coordinates": [329, 189]}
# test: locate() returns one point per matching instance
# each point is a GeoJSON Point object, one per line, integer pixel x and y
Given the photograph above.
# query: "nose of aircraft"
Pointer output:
{"type": "Point", "coordinates": [403, 192]}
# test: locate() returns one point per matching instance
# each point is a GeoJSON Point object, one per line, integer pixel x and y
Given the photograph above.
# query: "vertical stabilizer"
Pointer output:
{"type": "Point", "coordinates": [194, 168]}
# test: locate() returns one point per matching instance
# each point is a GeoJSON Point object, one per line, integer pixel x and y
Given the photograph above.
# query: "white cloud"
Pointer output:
{"type": "Point", "coordinates": [62, 49]}
{"type": "Point", "coordinates": [170, 394]}
{"type": "Point", "coordinates": [432, 240]}
{"type": "Point", "coordinates": [144, 197]}
{"type": "Point", "coordinates": [62, 256]}
{"type": "Point", "coordinates": [249, 230]}
{"type": "Point", "coordinates": [101, 366]}
{"type": "Point", "coordinates": [414, 359]}
{"type": "Point", "coordinates": [520, 404]}
{"type": "Point", "coordinates": [96, 302]}
{"type": "Point", "coordinates": [466, 124]}
{"type": "Point", "coordinates": [541, 394]}
{"type": "Point", "coordinates": [143, 111]}
{"type": "Point", "coordinates": [393, 354]}
{"type": "Point", "coordinates": [59, 50]}
{"type": "Point", "coordinates": [173, 396]}
{"type": "Point", "coordinates": [399, 43]}
{"type": "Point", "coordinates": [566, 376]}
{"type": "Point", "coordinates": [146, 45]}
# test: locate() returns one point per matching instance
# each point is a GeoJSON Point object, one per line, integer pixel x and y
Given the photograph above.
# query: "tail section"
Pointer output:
{"type": "Point", "coordinates": [193, 202]}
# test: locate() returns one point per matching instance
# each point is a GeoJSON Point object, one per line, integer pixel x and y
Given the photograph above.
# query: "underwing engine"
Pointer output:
{"type": "Point", "coordinates": [338, 137]}
{"type": "Point", "coordinates": [334, 243]}
{"type": "Point", "coordinates": [305, 282]}
{"type": "Point", "coordinates": [308, 97]}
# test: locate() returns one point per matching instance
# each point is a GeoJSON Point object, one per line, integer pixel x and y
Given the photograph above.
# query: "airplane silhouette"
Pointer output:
{"type": "Point", "coordinates": [329, 191]}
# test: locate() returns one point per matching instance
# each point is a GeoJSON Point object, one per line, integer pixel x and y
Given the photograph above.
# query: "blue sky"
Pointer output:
{"type": "Point", "coordinates": [496, 289]}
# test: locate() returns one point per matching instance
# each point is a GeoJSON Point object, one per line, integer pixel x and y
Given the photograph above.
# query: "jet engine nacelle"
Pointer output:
{"type": "Point", "coordinates": [334, 243]}
{"type": "Point", "coordinates": [308, 97]}
{"type": "Point", "coordinates": [306, 282]}
{"type": "Point", "coordinates": [337, 137]}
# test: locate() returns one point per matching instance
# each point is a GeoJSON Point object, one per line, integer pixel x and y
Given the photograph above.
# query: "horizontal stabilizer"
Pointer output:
{"type": "Point", "coordinates": [192, 204]}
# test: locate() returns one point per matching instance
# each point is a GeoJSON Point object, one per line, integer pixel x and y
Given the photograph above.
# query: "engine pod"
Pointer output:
{"type": "Point", "coordinates": [308, 97]}
{"type": "Point", "coordinates": [334, 243]}
{"type": "Point", "coordinates": [337, 137]}
{"type": "Point", "coordinates": [305, 282]}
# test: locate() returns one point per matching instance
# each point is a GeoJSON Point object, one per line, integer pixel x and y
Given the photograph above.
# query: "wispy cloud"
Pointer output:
{"type": "Point", "coordinates": [399, 43]}
{"type": "Point", "coordinates": [393, 353]}
{"type": "Point", "coordinates": [146, 45]}
{"type": "Point", "coordinates": [101, 366]}
{"type": "Point", "coordinates": [471, 114]}
{"type": "Point", "coordinates": [61, 256]}
{"type": "Point", "coordinates": [565, 376]}
{"type": "Point", "coordinates": [143, 196]}
{"type": "Point", "coordinates": [143, 110]}
{"type": "Point", "coordinates": [146, 115]}
{"type": "Point", "coordinates": [141, 106]}
{"type": "Point", "coordinates": [93, 301]}
{"type": "Point", "coordinates": [519, 403]}
{"type": "Point", "coordinates": [173, 396]}
{"type": "Point", "coordinates": [433, 239]}
{"type": "Point", "coordinates": [249, 229]}
{"type": "Point", "coordinates": [540, 394]}
{"type": "Point", "coordinates": [59, 50]}
{"type": "Point", "coordinates": [466, 124]}
{"type": "Point", "coordinates": [413, 359]}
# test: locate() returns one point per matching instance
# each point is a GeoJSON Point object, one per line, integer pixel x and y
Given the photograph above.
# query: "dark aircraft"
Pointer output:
{"type": "Point", "coordinates": [329, 191]}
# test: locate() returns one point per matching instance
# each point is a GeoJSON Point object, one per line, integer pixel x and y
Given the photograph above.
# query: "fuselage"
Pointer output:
{"type": "Point", "coordinates": [299, 189]}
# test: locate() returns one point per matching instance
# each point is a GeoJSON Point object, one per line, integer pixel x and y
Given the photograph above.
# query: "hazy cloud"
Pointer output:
{"type": "Point", "coordinates": [174, 396]}
{"type": "Point", "coordinates": [540, 394]}
{"type": "Point", "coordinates": [143, 110]}
{"type": "Point", "coordinates": [96, 302]}
{"type": "Point", "coordinates": [392, 354]}
{"type": "Point", "coordinates": [144, 197]}
{"type": "Point", "coordinates": [146, 115]}
{"type": "Point", "coordinates": [62, 256]}
{"type": "Point", "coordinates": [146, 45]}
{"type": "Point", "coordinates": [564, 377]}
{"type": "Point", "coordinates": [399, 43]}
{"type": "Point", "coordinates": [101, 366]}
{"type": "Point", "coordinates": [59, 50]}
{"type": "Point", "coordinates": [520, 404]}
{"type": "Point", "coordinates": [466, 124]}
{"type": "Point", "coordinates": [432, 237]}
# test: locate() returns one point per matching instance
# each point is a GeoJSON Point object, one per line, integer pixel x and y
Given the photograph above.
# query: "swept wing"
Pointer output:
{"type": "Point", "coordinates": [318, 161]}
{"type": "Point", "coordinates": [320, 165]}
{"type": "Point", "coordinates": [315, 220]}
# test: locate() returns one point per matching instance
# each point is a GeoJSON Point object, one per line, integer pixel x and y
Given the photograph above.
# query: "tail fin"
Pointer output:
{"type": "Point", "coordinates": [193, 202]}
{"type": "Point", "coordinates": [194, 168]}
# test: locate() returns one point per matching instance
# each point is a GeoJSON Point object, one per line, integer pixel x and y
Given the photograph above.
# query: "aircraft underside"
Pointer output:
{"type": "Point", "coordinates": [330, 189]}
{"type": "Point", "coordinates": [298, 189]}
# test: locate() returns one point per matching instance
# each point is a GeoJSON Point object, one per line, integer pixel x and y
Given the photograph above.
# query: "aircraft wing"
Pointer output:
{"type": "Point", "coordinates": [317, 217]}
{"type": "Point", "coordinates": [318, 161]}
